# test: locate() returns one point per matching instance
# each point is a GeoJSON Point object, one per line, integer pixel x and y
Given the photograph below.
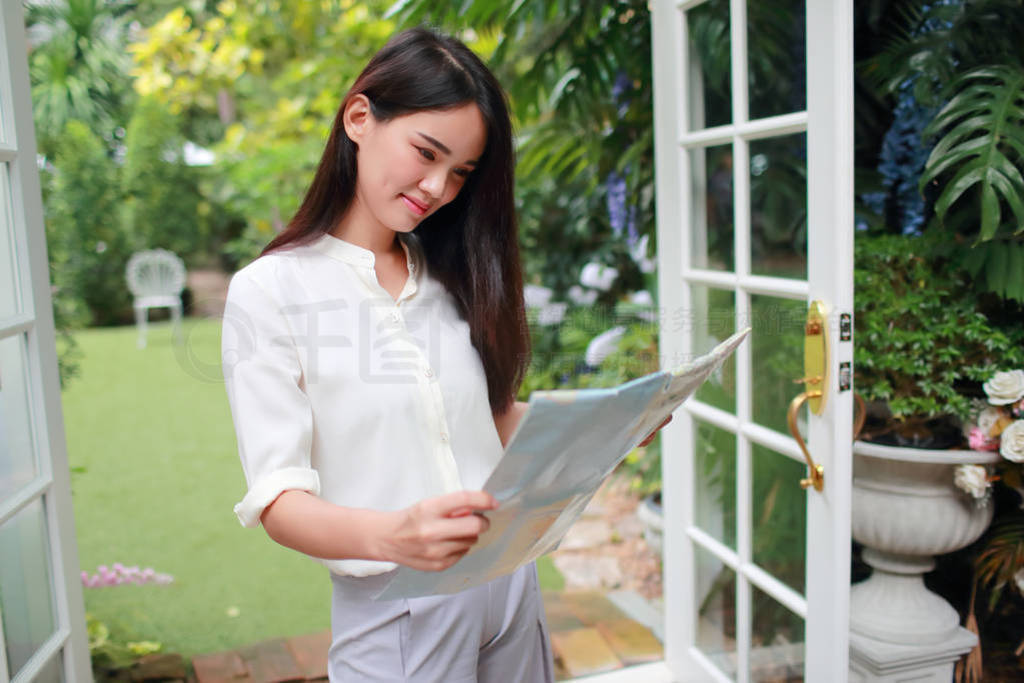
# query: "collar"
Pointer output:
{"type": "Point", "coordinates": [353, 254]}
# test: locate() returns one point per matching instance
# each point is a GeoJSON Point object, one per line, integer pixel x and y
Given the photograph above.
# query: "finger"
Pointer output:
{"type": "Point", "coordinates": [470, 525]}
{"type": "Point", "coordinates": [650, 437]}
{"type": "Point", "coordinates": [462, 503]}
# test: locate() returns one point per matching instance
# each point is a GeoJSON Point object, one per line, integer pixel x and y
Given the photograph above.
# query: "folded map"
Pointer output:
{"type": "Point", "coordinates": [567, 442]}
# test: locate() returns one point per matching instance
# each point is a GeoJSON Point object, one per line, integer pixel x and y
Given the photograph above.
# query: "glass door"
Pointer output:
{"type": "Point", "coordinates": [42, 622]}
{"type": "Point", "coordinates": [754, 140]}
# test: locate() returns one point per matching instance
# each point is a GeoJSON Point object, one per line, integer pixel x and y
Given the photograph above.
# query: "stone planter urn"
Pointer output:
{"type": "Point", "coordinates": [905, 511]}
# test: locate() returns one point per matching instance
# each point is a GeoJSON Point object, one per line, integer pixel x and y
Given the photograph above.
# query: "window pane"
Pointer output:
{"type": "Point", "coordinates": [52, 671]}
{"type": "Point", "coordinates": [26, 594]}
{"type": "Point", "coordinates": [777, 353]}
{"type": "Point", "coordinates": [711, 222]}
{"type": "Point", "coordinates": [716, 615]}
{"type": "Point", "coordinates": [712, 319]}
{"type": "Point", "coordinates": [9, 299]}
{"type": "Point", "coordinates": [778, 206]}
{"type": "Point", "coordinates": [777, 655]}
{"type": "Point", "coordinates": [776, 57]}
{"type": "Point", "coordinates": [710, 66]}
{"type": "Point", "coordinates": [17, 452]}
{"type": "Point", "coordinates": [715, 477]}
{"type": "Point", "coordinates": [779, 516]}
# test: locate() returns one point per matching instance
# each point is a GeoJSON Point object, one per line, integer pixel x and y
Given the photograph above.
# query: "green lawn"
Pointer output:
{"type": "Point", "coordinates": [155, 474]}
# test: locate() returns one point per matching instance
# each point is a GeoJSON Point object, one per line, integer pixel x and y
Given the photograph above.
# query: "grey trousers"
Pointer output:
{"type": "Point", "coordinates": [489, 634]}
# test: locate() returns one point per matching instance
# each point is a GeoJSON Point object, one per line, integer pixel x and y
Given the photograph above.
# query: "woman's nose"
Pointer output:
{"type": "Point", "coordinates": [434, 184]}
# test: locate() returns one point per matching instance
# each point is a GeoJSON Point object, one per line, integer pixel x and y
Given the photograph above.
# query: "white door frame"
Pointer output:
{"type": "Point", "coordinates": [34, 323]}
{"type": "Point", "coordinates": [829, 125]}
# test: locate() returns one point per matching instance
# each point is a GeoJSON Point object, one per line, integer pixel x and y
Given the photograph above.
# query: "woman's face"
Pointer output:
{"type": "Point", "coordinates": [412, 165]}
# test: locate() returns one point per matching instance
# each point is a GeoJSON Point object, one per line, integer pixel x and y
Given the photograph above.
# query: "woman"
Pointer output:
{"type": "Point", "coordinates": [372, 355]}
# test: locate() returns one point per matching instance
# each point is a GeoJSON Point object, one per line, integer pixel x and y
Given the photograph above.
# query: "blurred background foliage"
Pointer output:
{"type": "Point", "coordinates": [199, 124]}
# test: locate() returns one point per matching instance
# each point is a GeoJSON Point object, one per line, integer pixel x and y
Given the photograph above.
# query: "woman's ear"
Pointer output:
{"type": "Point", "coordinates": [357, 117]}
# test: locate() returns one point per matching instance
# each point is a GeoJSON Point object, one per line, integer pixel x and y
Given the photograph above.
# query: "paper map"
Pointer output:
{"type": "Point", "coordinates": [568, 441]}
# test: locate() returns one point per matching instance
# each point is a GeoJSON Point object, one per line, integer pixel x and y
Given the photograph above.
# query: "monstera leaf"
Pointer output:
{"type": "Point", "coordinates": [978, 159]}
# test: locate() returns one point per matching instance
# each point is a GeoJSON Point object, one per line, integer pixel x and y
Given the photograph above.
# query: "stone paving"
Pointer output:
{"type": "Point", "coordinates": [606, 550]}
{"type": "Point", "coordinates": [605, 618]}
{"type": "Point", "coordinates": [589, 634]}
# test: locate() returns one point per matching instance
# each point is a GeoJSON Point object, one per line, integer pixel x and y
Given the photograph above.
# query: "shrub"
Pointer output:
{"type": "Point", "coordinates": [923, 344]}
{"type": "Point", "coordinates": [88, 248]}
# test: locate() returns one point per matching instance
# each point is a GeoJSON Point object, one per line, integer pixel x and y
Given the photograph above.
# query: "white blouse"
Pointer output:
{"type": "Point", "coordinates": [338, 389]}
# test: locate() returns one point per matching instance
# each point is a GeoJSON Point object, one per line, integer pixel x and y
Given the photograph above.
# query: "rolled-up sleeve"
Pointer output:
{"type": "Point", "coordinates": [272, 414]}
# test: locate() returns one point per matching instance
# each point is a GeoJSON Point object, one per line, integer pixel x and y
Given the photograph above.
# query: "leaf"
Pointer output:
{"type": "Point", "coordinates": [982, 146]}
{"type": "Point", "coordinates": [1014, 285]}
{"type": "Point", "coordinates": [990, 213]}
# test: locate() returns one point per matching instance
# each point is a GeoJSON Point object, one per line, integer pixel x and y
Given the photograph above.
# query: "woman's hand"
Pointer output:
{"type": "Point", "coordinates": [650, 437]}
{"type": "Point", "coordinates": [435, 533]}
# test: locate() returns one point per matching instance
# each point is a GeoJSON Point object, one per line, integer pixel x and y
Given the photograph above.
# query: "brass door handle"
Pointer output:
{"type": "Point", "coordinates": [858, 422]}
{"type": "Point", "coordinates": [817, 472]}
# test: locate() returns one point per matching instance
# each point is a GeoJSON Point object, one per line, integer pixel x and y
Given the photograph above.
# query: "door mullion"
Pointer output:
{"type": "Point", "coordinates": [741, 260]}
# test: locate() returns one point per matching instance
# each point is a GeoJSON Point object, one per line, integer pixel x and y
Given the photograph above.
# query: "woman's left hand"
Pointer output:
{"type": "Point", "coordinates": [650, 437]}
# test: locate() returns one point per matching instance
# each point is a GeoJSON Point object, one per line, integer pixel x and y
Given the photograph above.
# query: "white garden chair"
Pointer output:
{"type": "Point", "coordinates": [156, 278]}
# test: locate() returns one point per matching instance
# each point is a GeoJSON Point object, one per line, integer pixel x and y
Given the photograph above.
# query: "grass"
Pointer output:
{"type": "Point", "coordinates": [155, 475]}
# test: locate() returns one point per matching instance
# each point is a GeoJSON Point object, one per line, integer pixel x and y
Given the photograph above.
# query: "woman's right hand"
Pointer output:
{"type": "Point", "coordinates": [435, 533]}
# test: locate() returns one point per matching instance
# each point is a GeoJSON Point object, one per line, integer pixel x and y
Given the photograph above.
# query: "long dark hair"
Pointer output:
{"type": "Point", "coordinates": [471, 244]}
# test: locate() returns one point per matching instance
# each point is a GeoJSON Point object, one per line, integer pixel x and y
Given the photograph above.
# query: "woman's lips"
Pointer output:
{"type": "Point", "coordinates": [414, 206]}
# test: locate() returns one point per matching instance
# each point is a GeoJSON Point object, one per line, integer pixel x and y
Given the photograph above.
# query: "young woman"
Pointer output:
{"type": "Point", "coordinates": [372, 355]}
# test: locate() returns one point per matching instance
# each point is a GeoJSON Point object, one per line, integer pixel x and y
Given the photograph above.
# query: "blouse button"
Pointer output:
{"type": "Point", "coordinates": [428, 372]}
{"type": "Point", "coordinates": [396, 316]}
{"type": "Point", "coordinates": [444, 437]}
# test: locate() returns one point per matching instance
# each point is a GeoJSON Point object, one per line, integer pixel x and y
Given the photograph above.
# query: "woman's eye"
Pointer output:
{"type": "Point", "coordinates": [426, 153]}
{"type": "Point", "coordinates": [462, 172]}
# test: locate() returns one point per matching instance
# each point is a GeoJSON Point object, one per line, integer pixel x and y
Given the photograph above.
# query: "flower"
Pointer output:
{"type": "Point", "coordinates": [1018, 579]}
{"type": "Point", "coordinates": [978, 440]}
{"type": "Point", "coordinates": [972, 479]}
{"type": "Point", "coordinates": [638, 252]}
{"type": "Point", "coordinates": [602, 345]}
{"type": "Point", "coordinates": [1011, 443]}
{"type": "Point", "coordinates": [552, 314]}
{"type": "Point", "coordinates": [598, 276]}
{"type": "Point", "coordinates": [641, 298]}
{"type": "Point", "coordinates": [988, 418]}
{"type": "Point", "coordinates": [582, 297]}
{"type": "Point", "coordinates": [1005, 387]}
{"type": "Point", "coordinates": [118, 574]}
{"type": "Point", "coordinates": [536, 296]}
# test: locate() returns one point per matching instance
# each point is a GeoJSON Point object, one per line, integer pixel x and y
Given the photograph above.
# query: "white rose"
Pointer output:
{"type": "Point", "coordinates": [988, 418]}
{"type": "Point", "coordinates": [1011, 443]}
{"type": "Point", "coordinates": [1005, 387]}
{"type": "Point", "coordinates": [972, 479]}
{"type": "Point", "coordinates": [1018, 579]}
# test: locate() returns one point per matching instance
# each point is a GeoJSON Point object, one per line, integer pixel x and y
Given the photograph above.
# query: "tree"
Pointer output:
{"type": "Point", "coordinates": [160, 192]}
{"type": "Point", "coordinates": [579, 81]}
{"type": "Point", "coordinates": [78, 67]}
{"type": "Point", "coordinates": [260, 82]}
{"type": "Point", "coordinates": [87, 245]}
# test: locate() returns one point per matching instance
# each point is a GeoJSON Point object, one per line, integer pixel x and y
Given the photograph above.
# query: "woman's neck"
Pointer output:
{"type": "Point", "coordinates": [377, 238]}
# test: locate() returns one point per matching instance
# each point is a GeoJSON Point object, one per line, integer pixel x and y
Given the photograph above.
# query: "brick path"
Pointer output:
{"type": "Point", "coordinates": [589, 634]}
